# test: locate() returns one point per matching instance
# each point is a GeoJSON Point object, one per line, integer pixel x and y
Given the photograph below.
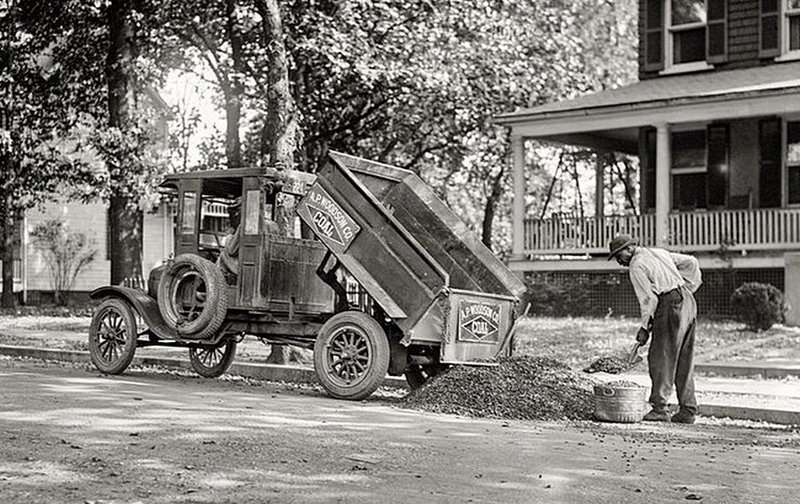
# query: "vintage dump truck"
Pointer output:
{"type": "Point", "coordinates": [393, 283]}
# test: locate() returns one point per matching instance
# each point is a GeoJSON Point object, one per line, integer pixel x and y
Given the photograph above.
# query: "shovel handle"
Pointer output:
{"type": "Point", "coordinates": [634, 352]}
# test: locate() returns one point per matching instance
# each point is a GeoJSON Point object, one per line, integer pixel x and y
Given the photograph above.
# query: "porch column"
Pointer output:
{"type": "Point", "coordinates": [599, 188]}
{"type": "Point", "coordinates": [663, 162]}
{"type": "Point", "coordinates": [518, 209]}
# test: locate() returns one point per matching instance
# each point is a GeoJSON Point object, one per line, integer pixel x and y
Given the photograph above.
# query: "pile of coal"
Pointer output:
{"type": "Point", "coordinates": [611, 365]}
{"type": "Point", "coordinates": [524, 388]}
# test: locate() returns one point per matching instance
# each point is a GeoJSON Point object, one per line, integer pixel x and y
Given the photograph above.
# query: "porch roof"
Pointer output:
{"type": "Point", "coordinates": [702, 96]}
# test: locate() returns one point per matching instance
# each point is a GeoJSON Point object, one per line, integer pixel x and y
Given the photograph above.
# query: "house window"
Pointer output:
{"type": "Point", "coordinates": [700, 168]}
{"type": "Point", "coordinates": [779, 27]}
{"type": "Point", "coordinates": [793, 162]}
{"type": "Point", "coordinates": [792, 25]}
{"type": "Point", "coordinates": [688, 169]}
{"type": "Point", "coordinates": [696, 32]}
{"type": "Point", "coordinates": [688, 30]}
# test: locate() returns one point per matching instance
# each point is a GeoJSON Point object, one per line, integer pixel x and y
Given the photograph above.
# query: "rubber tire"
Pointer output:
{"type": "Point", "coordinates": [215, 307]}
{"type": "Point", "coordinates": [124, 310]}
{"type": "Point", "coordinates": [378, 355]}
{"type": "Point", "coordinates": [228, 353]}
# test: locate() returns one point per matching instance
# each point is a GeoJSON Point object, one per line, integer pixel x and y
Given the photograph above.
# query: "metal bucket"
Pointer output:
{"type": "Point", "coordinates": [623, 404]}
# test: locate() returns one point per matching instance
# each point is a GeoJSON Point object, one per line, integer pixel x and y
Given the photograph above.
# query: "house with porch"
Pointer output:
{"type": "Point", "coordinates": [714, 120]}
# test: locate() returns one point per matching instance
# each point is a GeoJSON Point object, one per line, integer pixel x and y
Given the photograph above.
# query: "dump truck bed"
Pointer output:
{"type": "Point", "coordinates": [468, 262]}
{"type": "Point", "coordinates": [403, 245]}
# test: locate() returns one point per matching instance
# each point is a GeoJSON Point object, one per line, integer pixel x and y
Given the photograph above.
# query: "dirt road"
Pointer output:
{"type": "Point", "coordinates": [71, 435]}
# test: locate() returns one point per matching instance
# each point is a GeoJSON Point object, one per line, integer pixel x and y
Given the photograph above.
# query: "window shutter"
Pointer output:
{"type": "Point", "coordinates": [654, 35]}
{"type": "Point", "coordinates": [769, 177]}
{"type": "Point", "coordinates": [769, 29]}
{"type": "Point", "coordinates": [717, 33]}
{"type": "Point", "coordinates": [717, 181]}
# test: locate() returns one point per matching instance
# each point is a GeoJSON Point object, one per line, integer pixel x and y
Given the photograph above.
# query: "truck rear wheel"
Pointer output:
{"type": "Point", "coordinates": [193, 297]}
{"type": "Point", "coordinates": [112, 336]}
{"type": "Point", "coordinates": [351, 355]}
{"type": "Point", "coordinates": [212, 362]}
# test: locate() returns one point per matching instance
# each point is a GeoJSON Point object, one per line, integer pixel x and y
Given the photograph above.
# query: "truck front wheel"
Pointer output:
{"type": "Point", "coordinates": [351, 355]}
{"type": "Point", "coordinates": [112, 336]}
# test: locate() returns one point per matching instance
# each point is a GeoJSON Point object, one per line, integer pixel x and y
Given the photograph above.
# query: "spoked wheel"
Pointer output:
{"type": "Point", "coordinates": [212, 362]}
{"type": "Point", "coordinates": [418, 375]}
{"type": "Point", "coordinates": [351, 355]}
{"type": "Point", "coordinates": [112, 336]}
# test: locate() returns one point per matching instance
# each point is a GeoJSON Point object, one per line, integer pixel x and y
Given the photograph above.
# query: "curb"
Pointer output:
{"type": "Point", "coordinates": [754, 414]}
{"type": "Point", "coordinates": [295, 374]}
{"type": "Point", "coordinates": [747, 370]}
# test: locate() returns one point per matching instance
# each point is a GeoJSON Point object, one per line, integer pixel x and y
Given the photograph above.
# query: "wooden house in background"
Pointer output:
{"type": "Point", "coordinates": [715, 123]}
{"type": "Point", "coordinates": [32, 279]}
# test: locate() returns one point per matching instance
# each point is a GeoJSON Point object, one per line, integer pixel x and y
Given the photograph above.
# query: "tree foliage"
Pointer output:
{"type": "Point", "coordinates": [414, 83]}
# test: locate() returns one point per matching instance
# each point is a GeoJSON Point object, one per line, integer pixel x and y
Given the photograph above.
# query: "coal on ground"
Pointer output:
{"type": "Point", "coordinates": [524, 388]}
{"type": "Point", "coordinates": [611, 365]}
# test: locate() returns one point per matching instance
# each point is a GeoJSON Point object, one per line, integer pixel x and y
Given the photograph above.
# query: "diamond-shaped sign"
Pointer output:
{"type": "Point", "coordinates": [478, 321]}
{"type": "Point", "coordinates": [328, 220]}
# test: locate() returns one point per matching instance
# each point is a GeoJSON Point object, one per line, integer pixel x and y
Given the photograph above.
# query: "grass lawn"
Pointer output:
{"type": "Point", "coordinates": [579, 341]}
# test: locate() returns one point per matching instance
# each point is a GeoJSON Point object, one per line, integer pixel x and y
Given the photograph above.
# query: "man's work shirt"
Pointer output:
{"type": "Point", "coordinates": [655, 271]}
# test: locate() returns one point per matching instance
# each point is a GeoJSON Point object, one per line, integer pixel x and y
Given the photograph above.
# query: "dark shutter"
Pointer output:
{"type": "Point", "coordinates": [717, 181]}
{"type": "Point", "coordinates": [654, 35]}
{"type": "Point", "coordinates": [717, 43]}
{"type": "Point", "coordinates": [769, 179]}
{"type": "Point", "coordinates": [769, 29]}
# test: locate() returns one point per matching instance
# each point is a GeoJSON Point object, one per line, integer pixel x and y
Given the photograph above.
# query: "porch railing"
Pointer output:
{"type": "Point", "coordinates": [759, 229]}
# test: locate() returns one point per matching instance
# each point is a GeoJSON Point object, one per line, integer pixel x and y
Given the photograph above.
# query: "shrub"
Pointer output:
{"type": "Point", "coordinates": [67, 253]}
{"type": "Point", "coordinates": [758, 305]}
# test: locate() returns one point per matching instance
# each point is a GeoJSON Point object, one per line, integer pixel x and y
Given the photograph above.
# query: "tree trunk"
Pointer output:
{"type": "Point", "coordinates": [7, 233]}
{"type": "Point", "coordinates": [491, 208]}
{"type": "Point", "coordinates": [6, 169]}
{"type": "Point", "coordinates": [126, 218]}
{"type": "Point", "coordinates": [281, 121]}
{"type": "Point", "coordinates": [233, 89]}
{"type": "Point", "coordinates": [127, 223]}
{"type": "Point", "coordinates": [281, 117]}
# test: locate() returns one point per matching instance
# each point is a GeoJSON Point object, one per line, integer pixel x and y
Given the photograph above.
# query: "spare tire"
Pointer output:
{"type": "Point", "coordinates": [193, 297]}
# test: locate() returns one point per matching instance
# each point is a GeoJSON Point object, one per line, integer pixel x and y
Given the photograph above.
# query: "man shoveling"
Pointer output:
{"type": "Point", "coordinates": [664, 283]}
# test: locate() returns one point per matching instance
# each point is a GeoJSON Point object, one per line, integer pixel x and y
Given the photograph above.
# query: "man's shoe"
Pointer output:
{"type": "Point", "coordinates": [656, 416]}
{"type": "Point", "coordinates": [683, 416]}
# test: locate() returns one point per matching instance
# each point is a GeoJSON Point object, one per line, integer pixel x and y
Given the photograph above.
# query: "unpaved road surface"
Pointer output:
{"type": "Point", "coordinates": [71, 435]}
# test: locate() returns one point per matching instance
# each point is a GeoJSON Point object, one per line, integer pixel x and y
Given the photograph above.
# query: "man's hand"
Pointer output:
{"type": "Point", "coordinates": [642, 335]}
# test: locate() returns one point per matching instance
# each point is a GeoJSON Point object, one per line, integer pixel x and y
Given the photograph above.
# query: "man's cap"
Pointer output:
{"type": "Point", "coordinates": [618, 243]}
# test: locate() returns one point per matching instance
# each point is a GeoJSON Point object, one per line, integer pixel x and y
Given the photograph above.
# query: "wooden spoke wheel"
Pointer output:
{"type": "Point", "coordinates": [112, 336]}
{"type": "Point", "coordinates": [212, 362]}
{"type": "Point", "coordinates": [351, 355]}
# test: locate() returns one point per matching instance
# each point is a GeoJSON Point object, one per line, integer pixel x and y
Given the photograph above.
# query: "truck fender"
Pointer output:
{"type": "Point", "coordinates": [145, 306]}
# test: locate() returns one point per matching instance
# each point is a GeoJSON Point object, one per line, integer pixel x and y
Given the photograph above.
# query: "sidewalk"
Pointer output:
{"type": "Point", "coordinates": [766, 391]}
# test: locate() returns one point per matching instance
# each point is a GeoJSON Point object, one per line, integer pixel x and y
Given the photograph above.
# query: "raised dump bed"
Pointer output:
{"type": "Point", "coordinates": [416, 259]}
{"type": "Point", "coordinates": [468, 262]}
